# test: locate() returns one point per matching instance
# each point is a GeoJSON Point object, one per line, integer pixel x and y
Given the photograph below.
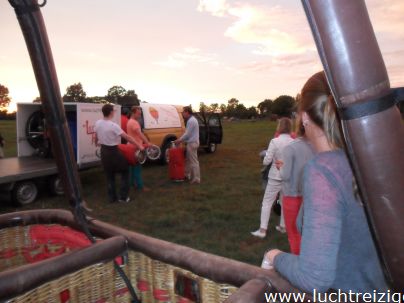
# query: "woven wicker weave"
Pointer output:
{"type": "Point", "coordinates": [154, 281]}
{"type": "Point", "coordinates": [17, 248]}
{"type": "Point", "coordinates": [92, 284]}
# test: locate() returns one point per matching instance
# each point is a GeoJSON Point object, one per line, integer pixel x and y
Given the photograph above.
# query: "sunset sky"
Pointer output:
{"type": "Point", "coordinates": [184, 51]}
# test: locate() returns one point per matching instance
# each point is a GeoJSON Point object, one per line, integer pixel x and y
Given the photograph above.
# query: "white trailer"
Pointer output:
{"type": "Point", "coordinates": [22, 176]}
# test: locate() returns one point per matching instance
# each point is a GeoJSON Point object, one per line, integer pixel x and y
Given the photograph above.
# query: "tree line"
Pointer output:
{"type": "Point", "coordinates": [282, 106]}
{"type": "Point", "coordinates": [116, 94]}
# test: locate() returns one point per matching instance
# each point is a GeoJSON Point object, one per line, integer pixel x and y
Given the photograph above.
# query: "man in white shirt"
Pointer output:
{"type": "Point", "coordinates": [191, 138]}
{"type": "Point", "coordinates": [108, 135]}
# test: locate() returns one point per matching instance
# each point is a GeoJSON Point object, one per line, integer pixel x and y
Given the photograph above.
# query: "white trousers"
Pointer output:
{"type": "Point", "coordinates": [271, 192]}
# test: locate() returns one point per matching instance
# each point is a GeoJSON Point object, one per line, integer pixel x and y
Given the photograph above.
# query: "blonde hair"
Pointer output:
{"type": "Point", "coordinates": [284, 126]}
{"type": "Point", "coordinates": [316, 100]}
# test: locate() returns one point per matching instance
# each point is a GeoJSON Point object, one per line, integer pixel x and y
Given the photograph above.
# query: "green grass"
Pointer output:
{"type": "Point", "coordinates": [8, 131]}
{"type": "Point", "coordinates": [215, 216]}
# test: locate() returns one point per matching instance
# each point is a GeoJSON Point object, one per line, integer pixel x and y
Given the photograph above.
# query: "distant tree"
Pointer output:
{"type": "Point", "coordinates": [129, 99]}
{"type": "Point", "coordinates": [265, 107]}
{"type": "Point", "coordinates": [114, 93]}
{"type": "Point", "coordinates": [131, 93]}
{"type": "Point", "coordinates": [233, 102]}
{"type": "Point", "coordinates": [37, 100]}
{"type": "Point", "coordinates": [231, 107]}
{"type": "Point", "coordinates": [223, 108]}
{"type": "Point", "coordinates": [203, 108]}
{"type": "Point", "coordinates": [252, 112]}
{"type": "Point", "coordinates": [75, 93]}
{"type": "Point", "coordinates": [5, 115]}
{"type": "Point", "coordinates": [97, 99]}
{"type": "Point", "coordinates": [4, 98]}
{"type": "Point", "coordinates": [284, 106]}
{"type": "Point", "coordinates": [214, 107]}
{"type": "Point", "coordinates": [240, 111]}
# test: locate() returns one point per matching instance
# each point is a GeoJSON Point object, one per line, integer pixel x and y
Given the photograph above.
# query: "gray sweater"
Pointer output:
{"type": "Point", "coordinates": [294, 156]}
{"type": "Point", "coordinates": [337, 249]}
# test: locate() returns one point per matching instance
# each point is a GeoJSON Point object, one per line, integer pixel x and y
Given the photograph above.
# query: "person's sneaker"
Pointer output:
{"type": "Point", "coordinates": [127, 200]}
{"type": "Point", "coordinates": [280, 229]}
{"type": "Point", "coordinates": [259, 234]}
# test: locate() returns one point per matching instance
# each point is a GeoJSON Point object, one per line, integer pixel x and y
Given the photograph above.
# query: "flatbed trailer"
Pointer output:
{"type": "Point", "coordinates": [22, 177]}
{"type": "Point", "coordinates": [25, 168]}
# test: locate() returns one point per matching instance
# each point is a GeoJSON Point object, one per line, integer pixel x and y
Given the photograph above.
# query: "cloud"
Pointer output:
{"type": "Point", "coordinates": [187, 56]}
{"type": "Point", "coordinates": [171, 62]}
{"type": "Point", "coordinates": [388, 23]}
{"type": "Point", "coordinates": [268, 29]}
{"type": "Point", "coordinates": [301, 64]}
{"type": "Point", "coordinates": [217, 8]}
{"type": "Point", "coordinates": [274, 30]}
{"type": "Point", "coordinates": [387, 16]}
{"type": "Point", "coordinates": [280, 36]}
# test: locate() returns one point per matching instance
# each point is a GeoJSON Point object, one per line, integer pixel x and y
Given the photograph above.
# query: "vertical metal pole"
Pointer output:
{"type": "Point", "coordinates": [356, 72]}
{"type": "Point", "coordinates": [36, 39]}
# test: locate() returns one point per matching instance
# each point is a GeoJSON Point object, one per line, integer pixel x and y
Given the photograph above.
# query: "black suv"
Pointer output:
{"type": "Point", "coordinates": [210, 130]}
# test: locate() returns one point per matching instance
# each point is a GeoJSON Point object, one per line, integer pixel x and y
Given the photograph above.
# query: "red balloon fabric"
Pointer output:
{"type": "Point", "coordinates": [128, 151]}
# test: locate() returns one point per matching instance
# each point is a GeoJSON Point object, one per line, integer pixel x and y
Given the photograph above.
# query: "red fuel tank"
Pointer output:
{"type": "Point", "coordinates": [176, 164]}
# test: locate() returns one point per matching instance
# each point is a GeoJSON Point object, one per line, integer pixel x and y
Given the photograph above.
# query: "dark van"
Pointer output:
{"type": "Point", "coordinates": [210, 130]}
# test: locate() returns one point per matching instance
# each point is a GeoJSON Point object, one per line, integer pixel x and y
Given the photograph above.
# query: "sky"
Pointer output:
{"type": "Point", "coordinates": [184, 51]}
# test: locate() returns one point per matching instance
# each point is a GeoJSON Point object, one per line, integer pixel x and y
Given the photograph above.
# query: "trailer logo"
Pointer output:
{"type": "Point", "coordinates": [90, 131]}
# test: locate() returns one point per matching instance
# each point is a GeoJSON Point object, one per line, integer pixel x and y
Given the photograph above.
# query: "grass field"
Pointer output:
{"type": "Point", "coordinates": [215, 216]}
{"type": "Point", "coordinates": [7, 130]}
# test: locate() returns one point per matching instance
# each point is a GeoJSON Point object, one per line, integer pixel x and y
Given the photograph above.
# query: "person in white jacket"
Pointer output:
{"type": "Point", "coordinates": [274, 185]}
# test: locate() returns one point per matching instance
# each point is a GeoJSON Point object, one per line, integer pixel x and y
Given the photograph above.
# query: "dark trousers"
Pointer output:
{"type": "Point", "coordinates": [124, 189]}
{"type": "Point", "coordinates": [115, 163]}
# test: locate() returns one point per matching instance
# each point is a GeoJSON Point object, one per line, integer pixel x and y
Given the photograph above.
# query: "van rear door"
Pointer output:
{"type": "Point", "coordinates": [203, 129]}
{"type": "Point", "coordinates": [215, 128]}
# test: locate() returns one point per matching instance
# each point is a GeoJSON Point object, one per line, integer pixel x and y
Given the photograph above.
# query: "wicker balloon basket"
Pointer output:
{"type": "Point", "coordinates": [44, 257]}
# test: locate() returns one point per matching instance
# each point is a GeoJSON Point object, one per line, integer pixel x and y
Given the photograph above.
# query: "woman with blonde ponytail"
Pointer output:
{"type": "Point", "coordinates": [337, 250]}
